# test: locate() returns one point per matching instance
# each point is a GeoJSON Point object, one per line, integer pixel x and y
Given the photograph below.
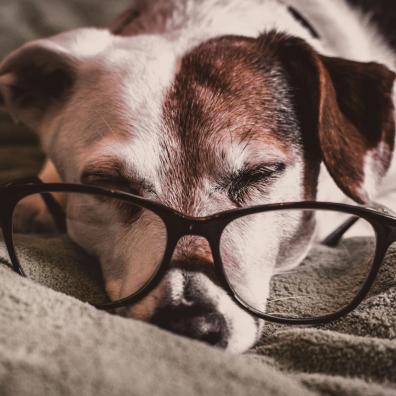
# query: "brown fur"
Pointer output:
{"type": "Point", "coordinates": [236, 88]}
{"type": "Point", "coordinates": [345, 109]}
{"type": "Point", "coordinates": [224, 94]}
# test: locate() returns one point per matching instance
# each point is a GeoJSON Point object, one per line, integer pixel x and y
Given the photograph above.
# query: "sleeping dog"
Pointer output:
{"type": "Point", "coordinates": [205, 106]}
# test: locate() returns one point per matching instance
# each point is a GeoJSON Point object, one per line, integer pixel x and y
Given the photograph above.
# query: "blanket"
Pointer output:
{"type": "Point", "coordinates": [51, 342]}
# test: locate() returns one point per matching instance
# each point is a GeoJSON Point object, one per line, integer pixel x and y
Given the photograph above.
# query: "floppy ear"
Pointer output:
{"type": "Point", "coordinates": [36, 79]}
{"type": "Point", "coordinates": [346, 113]}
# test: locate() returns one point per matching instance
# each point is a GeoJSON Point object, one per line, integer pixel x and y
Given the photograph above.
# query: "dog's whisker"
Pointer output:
{"type": "Point", "coordinates": [286, 298]}
{"type": "Point", "coordinates": [282, 314]}
{"type": "Point", "coordinates": [110, 129]}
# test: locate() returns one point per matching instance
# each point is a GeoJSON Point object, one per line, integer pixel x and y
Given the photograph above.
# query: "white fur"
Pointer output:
{"type": "Point", "coordinates": [345, 31]}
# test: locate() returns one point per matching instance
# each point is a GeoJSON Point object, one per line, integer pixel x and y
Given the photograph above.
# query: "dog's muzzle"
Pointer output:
{"type": "Point", "coordinates": [190, 307]}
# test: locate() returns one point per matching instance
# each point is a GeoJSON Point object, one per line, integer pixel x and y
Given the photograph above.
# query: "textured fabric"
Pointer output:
{"type": "Point", "coordinates": [56, 342]}
{"type": "Point", "coordinates": [52, 343]}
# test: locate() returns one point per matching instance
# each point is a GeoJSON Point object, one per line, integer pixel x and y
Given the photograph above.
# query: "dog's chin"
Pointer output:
{"type": "Point", "coordinates": [208, 314]}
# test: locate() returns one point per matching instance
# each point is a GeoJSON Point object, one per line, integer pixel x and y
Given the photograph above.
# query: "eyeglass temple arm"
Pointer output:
{"type": "Point", "coordinates": [333, 238]}
{"type": "Point", "coordinates": [54, 208]}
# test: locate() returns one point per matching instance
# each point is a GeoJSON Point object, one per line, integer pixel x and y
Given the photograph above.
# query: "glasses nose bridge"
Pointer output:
{"type": "Point", "coordinates": [203, 228]}
{"type": "Point", "coordinates": [198, 227]}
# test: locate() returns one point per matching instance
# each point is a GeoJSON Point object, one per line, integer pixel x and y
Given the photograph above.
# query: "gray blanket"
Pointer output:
{"type": "Point", "coordinates": [52, 343]}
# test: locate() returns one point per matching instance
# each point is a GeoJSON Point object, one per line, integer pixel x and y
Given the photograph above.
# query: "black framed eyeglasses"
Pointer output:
{"type": "Point", "coordinates": [261, 254]}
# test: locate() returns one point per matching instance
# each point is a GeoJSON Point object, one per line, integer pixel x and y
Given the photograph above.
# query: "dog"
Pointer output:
{"type": "Point", "coordinates": [206, 106]}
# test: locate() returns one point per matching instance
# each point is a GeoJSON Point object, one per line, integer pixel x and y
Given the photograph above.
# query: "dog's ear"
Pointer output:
{"type": "Point", "coordinates": [345, 110]}
{"type": "Point", "coordinates": [36, 79]}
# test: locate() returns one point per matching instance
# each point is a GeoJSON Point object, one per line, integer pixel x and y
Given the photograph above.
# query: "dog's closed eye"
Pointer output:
{"type": "Point", "coordinates": [128, 212]}
{"type": "Point", "coordinates": [110, 173]}
{"type": "Point", "coordinates": [109, 180]}
{"type": "Point", "coordinates": [241, 183]}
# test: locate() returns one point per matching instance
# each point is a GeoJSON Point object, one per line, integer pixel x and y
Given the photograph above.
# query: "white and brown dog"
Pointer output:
{"type": "Point", "coordinates": [205, 106]}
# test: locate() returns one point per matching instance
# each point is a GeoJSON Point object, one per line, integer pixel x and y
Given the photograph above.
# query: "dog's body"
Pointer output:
{"type": "Point", "coordinates": [183, 92]}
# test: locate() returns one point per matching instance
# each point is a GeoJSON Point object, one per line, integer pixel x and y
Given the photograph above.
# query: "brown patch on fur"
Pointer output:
{"type": "Point", "coordinates": [224, 93]}
{"type": "Point", "coordinates": [278, 91]}
{"type": "Point", "coordinates": [355, 120]}
{"type": "Point", "coordinates": [345, 110]}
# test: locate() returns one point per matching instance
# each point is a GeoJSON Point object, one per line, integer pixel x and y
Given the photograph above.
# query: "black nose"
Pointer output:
{"type": "Point", "coordinates": [198, 320]}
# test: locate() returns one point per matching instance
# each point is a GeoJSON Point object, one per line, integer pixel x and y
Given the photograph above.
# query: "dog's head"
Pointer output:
{"type": "Point", "coordinates": [234, 122]}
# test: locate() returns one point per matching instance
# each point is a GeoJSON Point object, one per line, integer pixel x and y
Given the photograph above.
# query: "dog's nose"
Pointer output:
{"type": "Point", "coordinates": [197, 320]}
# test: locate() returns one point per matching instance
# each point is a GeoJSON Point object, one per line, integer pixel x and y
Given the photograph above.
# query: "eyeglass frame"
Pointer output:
{"type": "Point", "coordinates": [209, 227]}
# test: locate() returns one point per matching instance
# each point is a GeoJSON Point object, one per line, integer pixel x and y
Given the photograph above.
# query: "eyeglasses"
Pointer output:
{"type": "Point", "coordinates": [262, 254]}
